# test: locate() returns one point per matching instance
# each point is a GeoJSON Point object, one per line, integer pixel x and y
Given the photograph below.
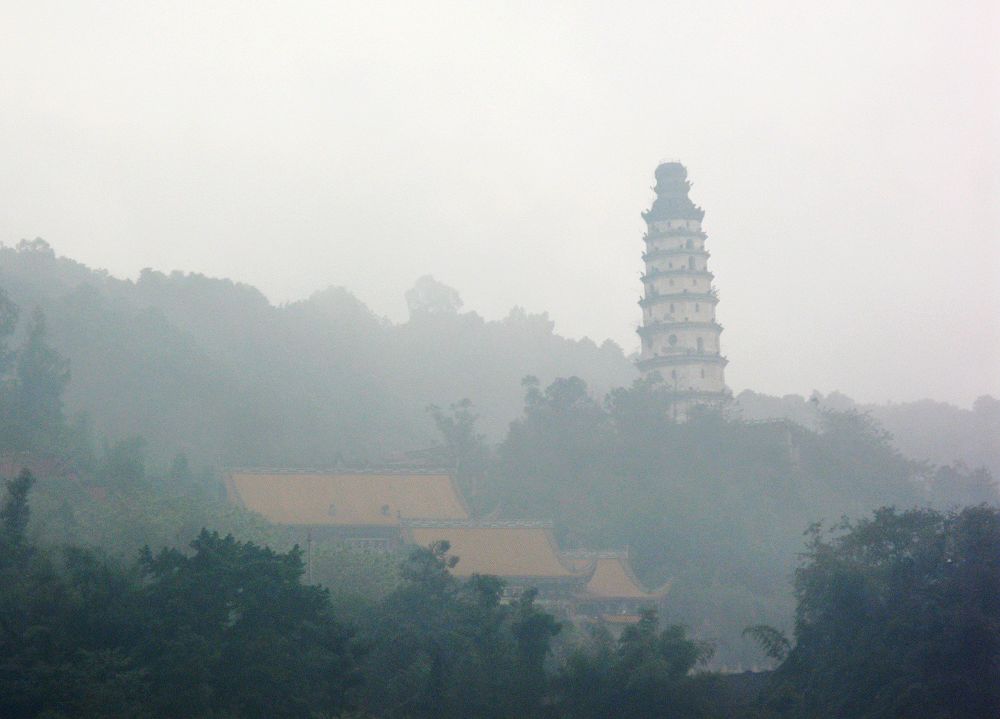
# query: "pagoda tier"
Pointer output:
{"type": "Point", "coordinates": [679, 332]}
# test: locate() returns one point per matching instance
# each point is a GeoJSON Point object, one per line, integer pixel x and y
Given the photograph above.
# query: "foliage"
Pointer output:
{"type": "Point", "coordinates": [8, 322]}
{"type": "Point", "coordinates": [647, 673]}
{"type": "Point", "coordinates": [32, 407]}
{"type": "Point", "coordinates": [714, 504]}
{"type": "Point", "coordinates": [209, 368]}
{"type": "Point", "coordinates": [225, 630]}
{"type": "Point", "coordinates": [773, 642]}
{"type": "Point", "coordinates": [898, 615]}
{"type": "Point", "coordinates": [182, 374]}
{"type": "Point", "coordinates": [428, 296]}
{"type": "Point", "coordinates": [440, 647]}
{"type": "Point", "coordinates": [14, 512]}
{"type": "Point", "coordinates": [233, 632]}
{"type": "Point", "coordinates": [466, 453]}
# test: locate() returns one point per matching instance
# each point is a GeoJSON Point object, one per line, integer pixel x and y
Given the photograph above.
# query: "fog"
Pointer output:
{"type": "Point", "coordinates": [322, 395]}
{"type": "Point", "coordinates": [846, 156]}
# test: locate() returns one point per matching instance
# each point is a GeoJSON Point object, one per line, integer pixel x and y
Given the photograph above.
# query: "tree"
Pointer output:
{"type": "Point", "coordinates": [430, 297]}
{"type": "Point", "coordinates": [441, 647]}
{"type": "Point", "coordinates": [232, 631]}
{"type": "Point", "coordinates": [898, 615]}
{"type": "Point", "coordinates": [35, 420]}
{"type": "Point", "coordinates": [647, 673]}
{"type": "Point", "coordinates": [225, 631]}
{"type": "Point", "coordinates": [124, 462]}
{"type": "Point", "coordinates": [466, 448]}
{"type": "Point", "coordinates": [555, 459]}
{"type": "Point", "coordinates": [8, 321]}
{"type": "Point", "coordinates": [533, 632]}
{"type": "Point", "coordinates": [14, 514]}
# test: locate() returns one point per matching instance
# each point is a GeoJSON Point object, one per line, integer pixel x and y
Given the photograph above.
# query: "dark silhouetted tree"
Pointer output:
{"type": "Point", "coordinates": [898, 615]}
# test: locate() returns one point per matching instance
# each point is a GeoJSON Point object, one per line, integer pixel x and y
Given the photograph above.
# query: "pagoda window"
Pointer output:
{"type": "Point", "coordinates": [671, 307]}
{"type": "Point", "coordinates": [671, 283]}
{"type": "Point", "coordinates": [697, 307]}
{"type": "Point", "coordinates": [672, 340]}
{"type": "Point", "coordinates": [690, 263]}
{"type": "Point", "coordinates": [703, 373]}
{"type": "Point", "coordinates": [701, 345]}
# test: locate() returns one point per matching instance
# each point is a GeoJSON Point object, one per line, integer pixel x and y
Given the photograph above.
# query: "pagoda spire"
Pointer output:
{"type": "Point", "coordinates": [679, 332]}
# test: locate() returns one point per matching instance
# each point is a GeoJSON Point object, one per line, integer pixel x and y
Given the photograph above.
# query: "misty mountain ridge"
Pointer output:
{"type": "Point", "coordinates": [209, 371]}
{"type": "Point", "coordinates": [212, 368]}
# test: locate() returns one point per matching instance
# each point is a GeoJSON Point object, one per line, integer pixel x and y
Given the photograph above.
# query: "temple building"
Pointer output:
{"type": "Point", "coordinates": [363, 509]}
{"type": "Point", "coordinates": [523, 554]}
{"type": "Point", "coordinates": [613, 594]}
{"type": "Point", "coordinates": [679, 332]}
{"type": "Point", "coordinates": [385, 510]}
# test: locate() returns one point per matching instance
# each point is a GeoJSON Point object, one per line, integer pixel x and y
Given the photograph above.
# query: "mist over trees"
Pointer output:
{"type": "Point", "coordinates": [896, 616]}
{"type": "Point", "coordinates": [133, 396]}
{"type": "Point", "coordinates": [210, 368]}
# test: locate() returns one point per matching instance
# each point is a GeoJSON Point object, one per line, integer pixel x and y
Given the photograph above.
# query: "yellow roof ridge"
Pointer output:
{"type": "Point", "coordinates": [515, 549]}
{"type": "Point", "coordinates": [606, 582]}
{"type": "Point", "coordinates": [346, 499]}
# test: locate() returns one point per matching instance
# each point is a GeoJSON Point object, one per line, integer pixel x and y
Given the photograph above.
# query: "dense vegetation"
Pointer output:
{"type": "Point", "coordinates": [714, 504]}
{"type": "Point", "coordinates": [898, 616]}
{"type": "Point", "coordinates": [211, 369]}
{"type": "Point", "coordinates": [131, 397]}
{"type": "Point", "coordinates": [228, 629]}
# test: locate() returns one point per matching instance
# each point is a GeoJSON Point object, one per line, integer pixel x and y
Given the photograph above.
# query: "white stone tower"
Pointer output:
{"type": "Point", "coordinates": [680, 337]}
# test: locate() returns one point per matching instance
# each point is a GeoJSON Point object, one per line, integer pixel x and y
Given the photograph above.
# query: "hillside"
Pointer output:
{"type": "Point", "coordinates": [211, 368]}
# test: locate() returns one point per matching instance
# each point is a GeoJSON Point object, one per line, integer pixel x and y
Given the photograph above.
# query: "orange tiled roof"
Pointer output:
{"type": "Point", "coordinates": [613, 579]}
{"type": "Point", "coordinates": [621, 618]}
{"type": "Point", "coordinates": [346, 499]}
{"type": "Point", "coordinates": [505, 551]}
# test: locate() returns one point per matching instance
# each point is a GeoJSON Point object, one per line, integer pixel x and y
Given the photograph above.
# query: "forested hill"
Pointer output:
{"type": "Point", "coordinates": [926, 431]}
{"type": "Point", "coordinates": [211, 368]}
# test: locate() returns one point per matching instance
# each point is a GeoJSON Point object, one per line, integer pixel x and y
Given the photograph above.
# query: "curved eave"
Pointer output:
{"type": "Point", "coordinates": [566, 580]}
{"type": "Point", "coordinates": [653, 234]}
{"type": "Point", "coordinates": [681, 359]}
{"type": "Point", "coordinates": [577, 572]}
{"type": "Point", "coordinates": [676, 296]}
{"type": "Point", "coordinates": [655, 327]}
{"type": "Point", "coordinates": [677, 272]}
{"type": "Point", "coordinates": [639, 592]}
{"type": "Point", "coordinates": [674, 213]}
{"type": "Point", "coordinates": [673, 252]}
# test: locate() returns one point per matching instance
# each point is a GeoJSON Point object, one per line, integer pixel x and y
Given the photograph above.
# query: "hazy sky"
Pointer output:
{"type": "Point", "coordinates": [847, 156]}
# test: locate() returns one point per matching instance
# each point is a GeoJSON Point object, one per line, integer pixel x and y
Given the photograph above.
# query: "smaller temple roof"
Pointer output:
{"type": "Point", "coordinates": [347, 499]}
{"type": "Point", "coordinates": [613, 579]}
{"type": "Point", "coordinates": [522, 550]}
